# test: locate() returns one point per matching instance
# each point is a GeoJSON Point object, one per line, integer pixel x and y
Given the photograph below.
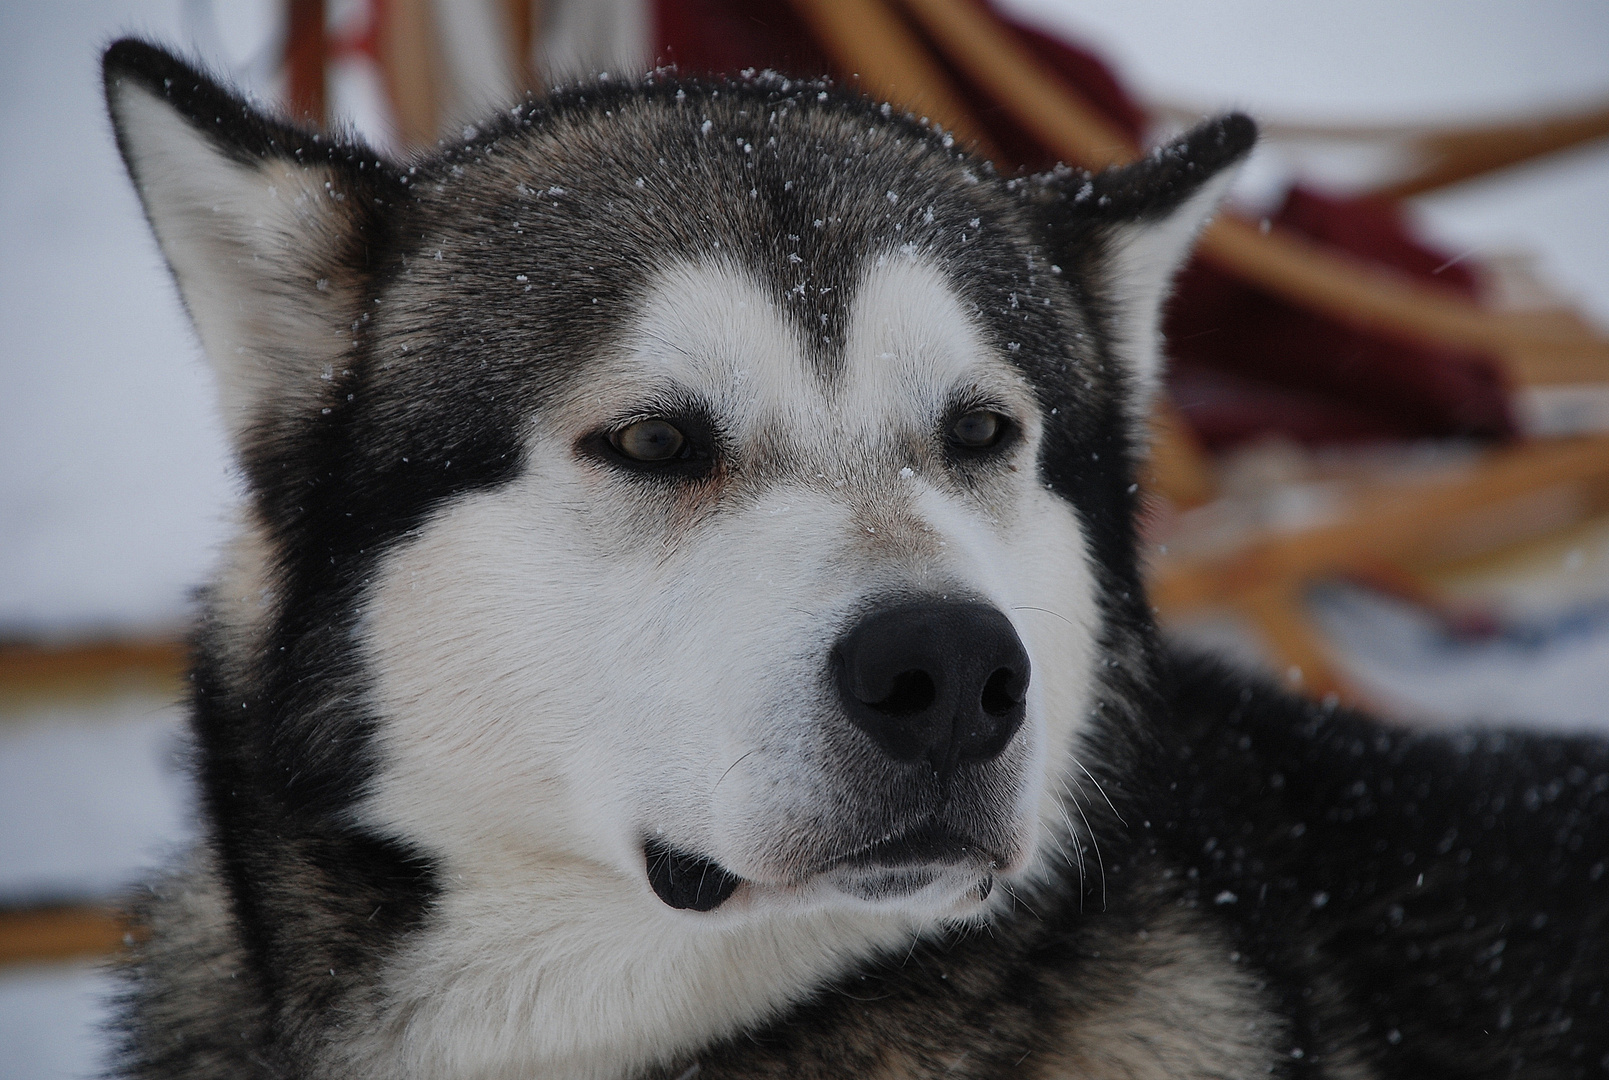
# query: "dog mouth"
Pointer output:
{"type": "Point", "coordinates": [893, 866]}
{"type": "Point", "coordinates": [908, 863]}
{"type": "Point", "coordinates": [928, 846]}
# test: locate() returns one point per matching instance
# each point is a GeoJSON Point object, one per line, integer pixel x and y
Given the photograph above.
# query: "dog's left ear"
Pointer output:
{"type": "Point", "coordinates": [269, 229]}
{"type": "Point", "coordinates": [1126, 231]}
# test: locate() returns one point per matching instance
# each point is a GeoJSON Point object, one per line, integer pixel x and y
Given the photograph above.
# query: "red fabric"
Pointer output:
{"type": "Point", "coordinates": [704, 37]}
{"type": "Point", "coordinates": [1218, 327]}
{"type": "Point", "coordinates": [1226, 409]}
{"type": "Point", "coordinates": [1084, 71]}
{"type": "Point", "coordinates": [1247, 365]}
{"type": "Point", "coordinates": [1375, 229]}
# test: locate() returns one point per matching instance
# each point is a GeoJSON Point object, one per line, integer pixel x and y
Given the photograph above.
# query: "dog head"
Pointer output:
{"type": "Point", "coordinates": [725, 489]}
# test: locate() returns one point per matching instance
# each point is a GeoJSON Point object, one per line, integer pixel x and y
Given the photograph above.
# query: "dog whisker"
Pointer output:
{"type": "Point", "coordinates": [1100, 789]}
{"type": "Point", "coordinates": [1100, 863]}
{"type": "Point", "coordinates": [1047, 611]}
{"type": "Point", "coordinates": [1075, 860]}
{"type": "Point", "coordinates": [1016, 898]}
{"type": "Point", "coordinates": [732, 766]}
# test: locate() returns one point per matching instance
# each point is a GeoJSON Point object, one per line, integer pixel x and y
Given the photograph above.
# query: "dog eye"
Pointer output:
{"type": "Point", "coordinates": [649, 441]}
{"type": "Point", "coordinates": [978, 430]}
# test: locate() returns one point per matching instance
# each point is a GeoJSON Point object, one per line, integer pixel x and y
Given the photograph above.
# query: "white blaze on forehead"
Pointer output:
{"type": "Point", "coordinates": [911, 342]}
{"type": "Point", "coordinates": [712, 329]}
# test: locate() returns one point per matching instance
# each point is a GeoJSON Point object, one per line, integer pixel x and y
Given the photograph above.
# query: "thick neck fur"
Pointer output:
{"type": "Point", "coordinates": [562, 971]}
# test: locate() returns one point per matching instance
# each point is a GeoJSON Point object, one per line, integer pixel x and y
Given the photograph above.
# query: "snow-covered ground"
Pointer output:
{"type": "Point", "coordinates": [51, 1022]}
{"type": "Point", "coordinates": [114, 484]}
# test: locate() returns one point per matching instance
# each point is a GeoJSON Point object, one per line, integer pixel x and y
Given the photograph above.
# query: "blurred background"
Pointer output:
{"type": "Point", "coordinates": [1381, 471]}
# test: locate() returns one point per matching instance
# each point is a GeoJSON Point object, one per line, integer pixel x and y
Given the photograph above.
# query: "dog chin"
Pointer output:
{"type": "Point", "coordinates": [936, 887]}
{"type": "Point", "coordinates": [925, 892]}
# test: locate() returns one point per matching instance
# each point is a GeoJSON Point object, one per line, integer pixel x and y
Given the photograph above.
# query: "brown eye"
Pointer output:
{"type": "Point", "coordinates": [978, 430]}
{"type": "Point", "coordinates": [650, 441]}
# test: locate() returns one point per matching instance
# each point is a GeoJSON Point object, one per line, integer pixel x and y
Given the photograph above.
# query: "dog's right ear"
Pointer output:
{"type": "Point", "coordinates": [269, 229]}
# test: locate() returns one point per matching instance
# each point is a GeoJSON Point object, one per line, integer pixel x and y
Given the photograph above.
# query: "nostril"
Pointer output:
{"type": "Point", "coordinates": [912, 692]}
{"type": "Point", "coordinates": [1001, 692]}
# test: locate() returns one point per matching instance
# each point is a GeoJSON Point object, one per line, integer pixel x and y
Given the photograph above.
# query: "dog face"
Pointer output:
{"type": "Point", "coordinates": [669, 630]}
{"type": "Point", "coordinates": [715, 494]}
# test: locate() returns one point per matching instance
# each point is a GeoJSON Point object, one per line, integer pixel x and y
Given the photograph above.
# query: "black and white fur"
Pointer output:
{"type": "Point", "coordinates": [522, 757]}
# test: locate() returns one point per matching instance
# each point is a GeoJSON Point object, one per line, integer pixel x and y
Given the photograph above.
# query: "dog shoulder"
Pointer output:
{"type": "Point", "coordinates": [1171, 999]}
{"type": "Point", "coordinates": [1446, 886]}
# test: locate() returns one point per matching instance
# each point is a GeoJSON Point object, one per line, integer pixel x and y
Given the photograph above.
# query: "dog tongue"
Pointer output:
{"type": "Point", "coordinates": [687, 881]}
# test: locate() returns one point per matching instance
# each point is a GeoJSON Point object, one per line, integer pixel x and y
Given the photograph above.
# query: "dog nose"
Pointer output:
{"type": "Point", "coordinates": [941, 680]}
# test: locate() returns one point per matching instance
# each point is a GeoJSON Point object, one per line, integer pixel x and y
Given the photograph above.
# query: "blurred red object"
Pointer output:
{"type": "Point", "coordinates": [1247, 364]}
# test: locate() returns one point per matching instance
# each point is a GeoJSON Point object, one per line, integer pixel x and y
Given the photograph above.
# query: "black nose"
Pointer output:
{"type": "Point", "coordinates": [942, 680]}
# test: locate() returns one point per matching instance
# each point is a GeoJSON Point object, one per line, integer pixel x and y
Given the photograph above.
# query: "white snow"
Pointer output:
{"type": "Point", "coordinates": [1359, 61]}
{"type": "Point", "coordinates": [51, 1022]}
{"type": "Point", "coordinates": [91, 796]}
{"type": "Point", "coordinates": [1555, 210]}
{"type": "Point", "coordinates": [1404, 663]}
{"type": "Point", "coordinates": [113, 481]}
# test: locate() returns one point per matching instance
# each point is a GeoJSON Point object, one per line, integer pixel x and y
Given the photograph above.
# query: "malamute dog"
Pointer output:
{"type": "Point", "coordinates": [686, 622]}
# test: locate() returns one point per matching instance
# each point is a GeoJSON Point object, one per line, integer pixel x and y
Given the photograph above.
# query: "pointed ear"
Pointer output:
{"type": "Point", "coordinates": [268, 229]}
{"type": "Point", "coordinates": [1128, 230]}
